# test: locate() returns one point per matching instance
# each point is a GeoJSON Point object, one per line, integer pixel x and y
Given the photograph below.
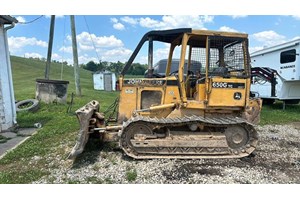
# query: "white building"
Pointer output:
{"type": "Point", "coordinates": [7, 99]}
{"type": "Point", "coordinates": [104, 81]}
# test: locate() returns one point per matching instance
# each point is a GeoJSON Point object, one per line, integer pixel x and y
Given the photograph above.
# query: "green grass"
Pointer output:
{"type": "Point", "coordinates": [59, 127]}
{"type": "Point", "coordinates": [274, 114]}
{"type": "Point", "coordinates": [131, 175]}
{"type": "Point", "coordinates": [59, 131]}
{"type": "Point", "coordinates": [3, 139]}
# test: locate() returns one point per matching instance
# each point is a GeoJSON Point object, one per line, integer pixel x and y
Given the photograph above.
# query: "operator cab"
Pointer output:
{"type": "Point", "coordinates": [211, 69]}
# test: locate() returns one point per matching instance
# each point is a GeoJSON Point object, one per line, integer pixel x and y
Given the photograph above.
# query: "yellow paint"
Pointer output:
{"type": "Point", "coordinates": [219, 96]}
{"type": "Point", "coordinates": [211, 96]}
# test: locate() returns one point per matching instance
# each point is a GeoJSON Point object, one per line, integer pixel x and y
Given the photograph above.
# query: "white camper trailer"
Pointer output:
{"type": "Point", "coordinates": [276, 73]}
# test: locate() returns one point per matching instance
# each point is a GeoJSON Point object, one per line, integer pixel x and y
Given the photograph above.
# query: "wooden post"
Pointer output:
{"type": "Point", "coordinates": [51, 34]}
{"type": "Point", "coordinates": [75, 56]}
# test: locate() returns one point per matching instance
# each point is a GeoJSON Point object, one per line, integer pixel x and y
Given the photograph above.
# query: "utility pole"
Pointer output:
{"type": "Point", "coordinates": [51, 34]}
{"type": "Point", "coordinates": [75, 57]}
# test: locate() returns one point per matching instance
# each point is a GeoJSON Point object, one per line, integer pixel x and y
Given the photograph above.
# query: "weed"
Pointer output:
{"type": "Point", "coordinates": [131, 175]}
{"type": "Point", "coordinates": [108, 180]}
{"type": "Point", "coordinates": [3, 139]}
{"type": "Point", "coordinates": [94, 180]}
{"type": "Point", "coordinates": [14, 176]}
{"type": "Point", "coordinates": [73, 182]}
{"type": "Point", "coordinates": [96, 167]}
{"type": "Point", "coordinates": [112, 158]}
{"type": "Point", "coordinates": [26, 105]}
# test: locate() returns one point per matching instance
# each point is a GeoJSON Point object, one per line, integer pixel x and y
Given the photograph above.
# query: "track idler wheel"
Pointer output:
{"type": "Point", "coordinates": [135, 130]}
{"type": "Point", "coordinates": [241, 138]}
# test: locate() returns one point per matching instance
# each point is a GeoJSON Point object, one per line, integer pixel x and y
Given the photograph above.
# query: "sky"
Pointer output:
{"type": "Point", "coordinates": [114, 37]}
{"type": "Point", "coordinates": [110, 30]}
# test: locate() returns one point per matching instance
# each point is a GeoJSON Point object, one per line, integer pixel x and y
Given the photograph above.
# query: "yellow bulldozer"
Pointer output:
{"type": "Point", "coordinates": [203, 109]}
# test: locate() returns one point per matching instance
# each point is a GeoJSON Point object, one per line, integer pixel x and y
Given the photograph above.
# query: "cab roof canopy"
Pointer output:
{"type": "Point", "coordinates": [198, 39]}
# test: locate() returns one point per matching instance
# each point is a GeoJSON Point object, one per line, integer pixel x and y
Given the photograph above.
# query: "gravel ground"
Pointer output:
{"type": "Point", "coordinates": [277, 160]}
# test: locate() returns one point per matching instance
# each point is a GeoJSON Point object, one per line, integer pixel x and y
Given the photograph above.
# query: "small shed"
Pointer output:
{"type": "Point", "coordinates": [7, 98]}
{"type": "Point", "coordinates": [104, 80]}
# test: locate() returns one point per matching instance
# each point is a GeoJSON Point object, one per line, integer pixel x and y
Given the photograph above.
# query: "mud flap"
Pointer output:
{"type": "Point", "coordinates": [84, 115]}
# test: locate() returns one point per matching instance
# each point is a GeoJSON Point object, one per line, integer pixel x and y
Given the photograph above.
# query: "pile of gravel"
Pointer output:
{"type": "Point", "coordinates": [277, 160]}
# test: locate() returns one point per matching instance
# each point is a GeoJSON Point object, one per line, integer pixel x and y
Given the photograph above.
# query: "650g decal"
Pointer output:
{"type": "Point", "coordinates": [228, 85]}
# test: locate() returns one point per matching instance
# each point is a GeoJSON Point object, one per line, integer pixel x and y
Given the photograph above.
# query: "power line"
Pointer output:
{"type": "Point", "coordinates": [31, 20]}
{"type": "Point", "coordinates": [63, 52]}
{"type": "Point", "coordinates": [91, 39]}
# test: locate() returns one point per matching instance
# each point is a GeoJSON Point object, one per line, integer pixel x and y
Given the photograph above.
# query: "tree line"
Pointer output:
{"type": "Point", "coordinates": [116, 67]}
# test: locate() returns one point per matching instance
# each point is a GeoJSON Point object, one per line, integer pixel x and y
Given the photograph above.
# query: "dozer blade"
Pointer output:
{"type": "Point", "coordinates": [84, 115]}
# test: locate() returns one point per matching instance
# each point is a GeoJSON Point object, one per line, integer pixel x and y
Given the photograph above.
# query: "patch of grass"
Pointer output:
{"type": "Point", "coordinates": [274, 114]}
{"type": "Point", "coordinates": [14, 176]}
{"type": "Point", "coordinates": [25, 105]}
{"type": "Point", "coordinates": [131, 175]}
{"type": "Point", "coordinates": [108, 180]}
{"type": "Point", "coordinates": [94, 180]}
{"type": "Point", "coordinates": [58, 126]}
{"type": "Point", "coordinates": [73, 182]}
{"type": "Point", "coordinates": [112, 159]}
{"type": "Point", "coordinates": [3, 139]}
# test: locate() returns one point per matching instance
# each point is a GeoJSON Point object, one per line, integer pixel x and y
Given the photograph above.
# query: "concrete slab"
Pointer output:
{"type": "Point", "coordinates": [26, 131]}
{"type": "Point", "coordinates": [15, 139]}
{"type": "Point", "coordinates": [10, 144]}
{"type": "Point", "coordinates": [9, 134]}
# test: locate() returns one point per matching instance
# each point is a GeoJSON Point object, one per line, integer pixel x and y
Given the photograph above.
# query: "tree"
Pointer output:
{"type": "Point", "coordinates": [137, 69]}
{"type": "Point", "coordinates": [117, 67]}
{"type": "Point", "coordinates": [91, 66]}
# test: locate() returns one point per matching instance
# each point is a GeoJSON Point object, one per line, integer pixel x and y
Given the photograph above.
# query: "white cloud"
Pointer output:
{"type": "Point", "coordinates": [85, 39]}
{"type": "Point", "coordinates": [253, 49]}
{"type": "Point", "coordinates": [227, 29]}
{"type": "Point", "coordinates": [66, 49]}
{"type": "Point", "coordinates": [238, 16]}
{"type": "Point", "coordinates": [83, 59]}
{"type": "Point", "coordinates": [33, 55]}
{"type": "Point", "coordinates": [129, 20]}
{"type": "Point", "coordinates": [119, 26]}
{"type": "Point", "coordinates": [297, 17]}
{"type": "Point", "coordinates": [118, 54]}
{"type": "Point", "coordinates": [55, 56]}
{"type": "Point", "coordinates": [21, 19]}
{"type": "Point", "coordinates": [150, 23]}
{"type": "Point", "coordinates": [108, 48]}
{"type": "Point", "coordinates": [143, 60]}
{"type": "Point", "coordinates": [167, 21]}
{"type": "Point", "coordinates": [85, 47]}
{"type": "Point", "coordinates": [268, 38]}
{"type": "Point", "coordinates": [176, 21]}
{"type": "Point", "coordinates": [162, 53]}
{"type": "Point", "coordinates": [114, 20]}
{"type": "Point", "coordinates": [17, 43]}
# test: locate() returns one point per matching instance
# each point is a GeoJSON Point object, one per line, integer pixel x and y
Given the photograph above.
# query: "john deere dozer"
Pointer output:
{"type": "Point", "coordinates": [203, 109]}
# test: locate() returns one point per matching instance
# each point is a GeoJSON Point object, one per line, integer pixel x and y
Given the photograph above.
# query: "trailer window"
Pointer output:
{"type": "Point", "coordinates": [288, 56]}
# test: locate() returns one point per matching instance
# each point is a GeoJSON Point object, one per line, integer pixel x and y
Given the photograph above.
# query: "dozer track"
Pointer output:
{"type": "Point", "coordinates": [188, 137]}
